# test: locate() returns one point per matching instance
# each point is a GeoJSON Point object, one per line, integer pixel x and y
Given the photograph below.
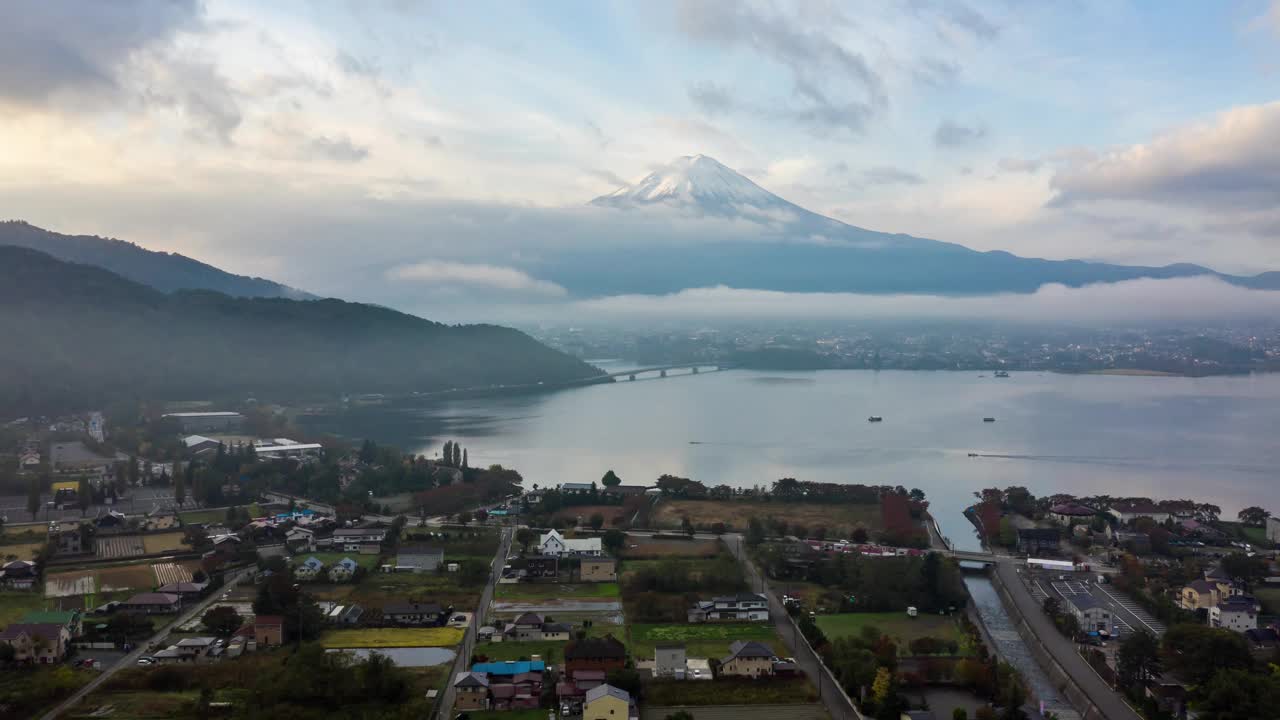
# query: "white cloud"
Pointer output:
{"type": "Point", "coordinates": [475, 275]}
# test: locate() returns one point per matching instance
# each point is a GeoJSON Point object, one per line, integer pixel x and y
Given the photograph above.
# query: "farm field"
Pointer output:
{"type": "Point", "coordinates": [138, 577]}
{"type": "Point", "coordinates": [537, 591]}
{"type": "Point", "coordinates": [20, 551]}
{"type": "Point", "coordinates": [896, 625]}
{"type": "Point", "coordinates": [738, 691]}
{"type": "Point", "coordinates": [163, 542]}
{"type": "Point", "coordinates": [379, 588]}
{"type": "Point", "coordinates": [836, 517]}
{"type": "Point", "coordinates": [214, 517]}
{"type": "Point", "coordinates": [581, 514]}
{"type": "Point", "coordinates": [653, 548]}
{"type": "Point", "coordinates": [392, 637]}
{"type": "Point", "coordinates": [113, 547]}
{"type": "Point", "coordinates": [701, 640]}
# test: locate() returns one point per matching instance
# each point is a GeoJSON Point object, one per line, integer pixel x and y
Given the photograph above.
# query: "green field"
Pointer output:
{"type": "Point", "coordinates": [738, 691]}
{"type": "Point", "coordinates": [213, 517]}
{"type": "Point", "coordinates": [898, 626]}
{"type": "Point", "coordinates": [710, 640]}
{"type": "Point", "coordinates": [538, 591]}
{"type": "Point", "coordinates": [16, 603]}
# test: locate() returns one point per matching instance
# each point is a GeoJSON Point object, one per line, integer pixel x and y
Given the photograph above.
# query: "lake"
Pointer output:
{"type": "Point", "coordinates": [1211, 439]}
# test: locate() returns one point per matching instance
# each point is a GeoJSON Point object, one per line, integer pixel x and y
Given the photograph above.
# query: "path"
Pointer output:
{"type": "Point", "coordinates": [463, 662]}
{"type": "Point", "coordinates": [833, 697]}
{"type": "Point", "coordinates": [1063, 650]}
{"type": "Point", "coordinates": [131, 659]}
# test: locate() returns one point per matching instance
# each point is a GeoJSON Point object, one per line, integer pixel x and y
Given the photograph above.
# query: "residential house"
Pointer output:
{"type": "Point", "coordinates": [577, 488]}
{"type": "Point", "coordinates": [556, 631]}
{"type": "Point", "coordinates": [40, 643]}
{"type": "Point", "coordinates": [542, 566]}
{"type": "Point", "coordinates": [553, 543]}
{"type": "Point", "coordinates": [605, 653]}
{"type": "Point", "coordinates": [412, 613]}
{"type": "Point", "coordinates": [1136, 542]}
{"type": "Point", "coordinates": [598, 570]}
{"type": "Point", "coordinates": [300, 540]}
{"type": "Point", "coordinates": [669, 660]}
{"type": "Point", "coordinates": [1127, 512]}
{"type": "Point", "coordinates": [1090, 613]}
{"type": "Point", "coordinates": [344, 614]}
{"type": "Point", "coordinates": [471, 691]}
{"type": "Point", "coordinates": [159, 519]}
{"type": "Point", "coordinates": [747, 658]}
{"type": "Point", "coordinates": [268, 630]}
{"type": "Point", "coordinates": [67, 538]}
{"type": "Point", "coordinates": [624, 491]}
{"type": "Point", "coordinates": [343, 570]}
{"type": "Point", "coordinates": [419, 558]}
{"type": "Point", "coordinates": [199, 445]}
{"type": "Point", "coordinates": [749, 607]}
{"type": "Point", "coordinates": [1237, 613]}
{"type": "Point", "coordinates": [19, 574]}
{"type": "Point", "coordinates": [309, 569]}
{"type": "Point", "coordinates": [606, 702]}
{"type": "Point", "coordinates": [522, 691]}
{"type": "Point", "coordinates": [153, 603]}
{"type": "Point", "coordinates": [1070, 513]}
{"type": "Point", "coordinates": [196, 648]}
{"type": "Point", "coordinates": [366, 541]}
{"type": "Point", "coordinates": [525, 627]}
{"type": "Point", "coordinates": [70, 619]}
{"type": "Point", "coordinates": [1199, 594]}
{"type": "Point", "coordinates": [1038, 541]}
{"type": "Point", "coordinates": [186, 590]}
{"type": "Point", "coordinates": [110, 520]}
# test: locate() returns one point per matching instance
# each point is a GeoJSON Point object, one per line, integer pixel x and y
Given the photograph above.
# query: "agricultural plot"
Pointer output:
{"type": "Point", "coordinates": [703, 640]}
{"type": "Point", "coordinates": [897, 625]}
{"type": "Point", "coordinates": [163, 542]}
{"type": "Point", "coordinates": [171, 573]}
{"type": "Point", "coordinates": [836, 517]}
{"type": "Point", "coordinates": [20, 551]}
{"type": "Point", "coordinates": [528, 591]}
{"type": "Point", "coordinates": [126, 579]}
{"type": "Point", "coordinates": [653, 548]}
{"type": "Point", "coordinates": [392, 637]}
{"type": "Point", "coordinates": [114, 547]}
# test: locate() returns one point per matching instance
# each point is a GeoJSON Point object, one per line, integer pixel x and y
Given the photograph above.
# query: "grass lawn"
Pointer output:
{"type": "Point", "coordinates": [392, 637]}
{"type": "Point", "coordinates": [896, 625]}
{"type": "Point", "coordinates": [836, 517]}
{"type": "Point", "coordinates": [704, 640]}
{"type": "Point", "coordinates": [738, 691]}
{"type": "Point", "coordinates": [14, 604]}
{"type": "Point", "coordinates": [538, 591]}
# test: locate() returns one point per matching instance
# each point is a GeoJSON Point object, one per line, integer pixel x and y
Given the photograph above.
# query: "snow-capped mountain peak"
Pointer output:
{"type": "Point", "coordinates": [694, 180]}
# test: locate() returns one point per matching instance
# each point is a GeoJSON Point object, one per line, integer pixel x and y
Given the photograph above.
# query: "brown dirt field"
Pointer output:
{"type": "Point", "coordinates": [163, 542]}
{"type": "Point", "coordinates": [126, 577]}
{"type": "Point", "coordinates": [734, 514]}
{"type": "Point", "coordinates": [586, 511]}
{"type": "Point", "coordinates": [658, 548]}
{"type": "Point", "coordinates": [20, 551]}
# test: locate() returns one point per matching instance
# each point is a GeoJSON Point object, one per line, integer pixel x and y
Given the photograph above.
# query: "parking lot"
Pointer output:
{"type": "Point", "coordinates": [1127, 614]}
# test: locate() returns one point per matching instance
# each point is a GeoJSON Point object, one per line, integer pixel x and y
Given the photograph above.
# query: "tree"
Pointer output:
{"type": "Point", "coordinates": [686, 526]}
{"type": "Point", "coordinates": [680, 715]}
{"type": "Point", "coordinates": [180, 487]}
{"type": "Point", "coordinates": [84, 495]}
{"type": "Point", "coordinates": [525, 536]}
{"type": "Point", "coordinates": [133, 471]}
{"type": "Point", "coordinates": [1197, 652]}
{"type": "Point", "coordinates": [882, 689]}
{"type": "Point", "coordinates": [610, 479]}
{"type": "Point", "coordinates": [1253, 515]}
{"type": "Point", "coordinates": [1240, 695]}
{"type": "Point", "coordinates": [613, 541]}
{"type": "Point", "coordinates": [959, 714]}
{"type": "Point", "coordinates": [464, 517]}
{"type": "Point", "coordinates": [222, 621]}
{"type": "Point", "coordinates": [33, 497]}
{"type": "Point", "coordinates": [447, 458]}
{"type": "Point", "coordinates": [1052, 606]}
{"type": "Point", "coordinates": [596, 521]}
{"type": "Point", "coordinates": [917, 494]}
{"type": "Point", "coordinates": [465, 461]}
{"type": "Point", "coordinates": [755, 531]}
{"type": "Point", "coordinates": [1138, 658]}
{"type": "Point", "coordinates": [1008, 534]}
{"type": "Point", "coordinates": [1244, 568]}
{"type": "Point", "coordinates": [473, 572]}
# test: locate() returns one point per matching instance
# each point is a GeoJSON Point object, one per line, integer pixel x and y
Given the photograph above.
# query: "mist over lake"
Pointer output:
{"type": "Point", "coordinates": [1211, 439]}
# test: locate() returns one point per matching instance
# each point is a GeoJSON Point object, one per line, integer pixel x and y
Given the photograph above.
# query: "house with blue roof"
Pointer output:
{"type": "Point", "coordinates": [343, 570]}
{"type": "Point", "coordinates": [310, 569]}
{"type": "Point", "coordinates": [510, 667]}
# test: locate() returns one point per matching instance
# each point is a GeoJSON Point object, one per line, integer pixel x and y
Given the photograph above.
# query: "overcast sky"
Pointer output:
{"type": "Point", "coordinates": [302, 140]}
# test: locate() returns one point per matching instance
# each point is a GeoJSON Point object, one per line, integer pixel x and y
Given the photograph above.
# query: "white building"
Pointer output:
{"type": "Point", "coordinates": [557, 545]}
{"type": "Point", "coordinates": [1237, 613]}
{"type": "Point", "coordinates": [1092, 615]}
{"type": "Point", "coordinates": [1127, 512]}
{"type": "Point", "coordinates": [294, 450]}
{"type": "Point", "coordinates": [1273, 530]}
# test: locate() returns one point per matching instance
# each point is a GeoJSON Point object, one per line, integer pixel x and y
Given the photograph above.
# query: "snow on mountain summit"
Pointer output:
{"type": "Point", "coordinates": [698, 181]}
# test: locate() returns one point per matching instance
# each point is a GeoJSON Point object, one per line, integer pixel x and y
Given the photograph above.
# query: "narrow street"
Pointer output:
{"type": "Point", "coordinates": [145, 647]}
{"type": "Point", "coordinates": [463, 662]}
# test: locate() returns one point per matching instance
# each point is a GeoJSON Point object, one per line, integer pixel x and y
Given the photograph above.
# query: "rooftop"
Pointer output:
{"type": "Point", "coordinates": [601, 691]}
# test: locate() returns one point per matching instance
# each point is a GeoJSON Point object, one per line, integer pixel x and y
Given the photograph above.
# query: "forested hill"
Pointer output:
{"type": "Point", "coordinates": [77, 335]}
{"type": "Point", "coordinates": [163, 271]}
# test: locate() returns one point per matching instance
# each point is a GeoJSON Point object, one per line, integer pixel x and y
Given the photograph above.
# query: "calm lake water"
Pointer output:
{"type": "Point", "coordinates": [1211, 439]}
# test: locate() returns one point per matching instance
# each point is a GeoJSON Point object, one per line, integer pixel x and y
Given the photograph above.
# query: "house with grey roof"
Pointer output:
{"type": "Point", "coordinates": [419, 558]}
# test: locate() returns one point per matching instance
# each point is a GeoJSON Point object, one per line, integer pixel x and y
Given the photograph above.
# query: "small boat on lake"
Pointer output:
{"type": "Point", "coordinates": [988, 419]}
{"type": "Point", "coordinates": [1002, 373]}
{"type": "Point", "coordinates": [875, 418]}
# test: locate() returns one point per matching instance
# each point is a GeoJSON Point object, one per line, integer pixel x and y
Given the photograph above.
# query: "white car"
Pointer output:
{"type": "Point", "coordinates": [146, 661]}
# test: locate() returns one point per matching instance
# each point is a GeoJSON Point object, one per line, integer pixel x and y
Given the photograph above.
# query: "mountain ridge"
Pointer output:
{"type": "Point", "coordinates": [164, 271]}
{"type": "Point", "coordinates": [799, 250]}
{"type": "Point", "coordinates": [85, 336]}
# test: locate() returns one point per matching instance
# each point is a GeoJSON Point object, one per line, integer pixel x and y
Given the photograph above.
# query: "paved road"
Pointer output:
{"type": "Point", "coordinates": [463, 662]}
{"type": "Point", "coordinates": [836, 701]}
{"type": "Point", "coordinates": [143, 648]}
{"type": "Point", "coordinates": [1063, 650]}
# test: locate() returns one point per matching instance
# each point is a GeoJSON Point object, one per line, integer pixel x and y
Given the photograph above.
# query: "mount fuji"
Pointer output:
{"type": "Point", "coordinates": [757, 240]}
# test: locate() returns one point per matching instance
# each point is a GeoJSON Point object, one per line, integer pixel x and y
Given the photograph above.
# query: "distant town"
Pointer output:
{"type": "Point", "coordinates": [194, 560]}
{"type": "Point", "coordinates": [918, 346]}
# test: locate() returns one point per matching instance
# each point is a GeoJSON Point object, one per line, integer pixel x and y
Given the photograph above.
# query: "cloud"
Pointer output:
{"type": "Point", "coordinates": [1017, 165]}
{"type": "Point", "coordinates": [353, 65]}
{"type": "Point", "coordinates": [711, 98]}
{"type": "Point", "coordinates": [339, 149]}
{"type": "Point", "coordinates": [951, 134]}
{"type": "Point", "coordinates": [886, 175]}
{"type": "Point", "coordinates": [1229, 162]}
{"type": "Point", "coordinates": [56, 46]}
{"type": "Point", "coordinates": [477, 276]}
{"type": "Point", "coordinates": [1198, 299]}
{"type": "Point", "coordinates": [607, 176]}
{"type": "Point", "coordinates": [835, 85]}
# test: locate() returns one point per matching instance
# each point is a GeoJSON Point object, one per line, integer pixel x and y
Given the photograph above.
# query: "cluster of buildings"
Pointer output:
{"type": "Point", "coordinates": [1224, 604]}
{"type": "Point", "coordinates": [42, 637]}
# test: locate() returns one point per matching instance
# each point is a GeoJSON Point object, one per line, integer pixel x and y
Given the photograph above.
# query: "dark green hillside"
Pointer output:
{"type": "Point", "coordinates": [77, 335]}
